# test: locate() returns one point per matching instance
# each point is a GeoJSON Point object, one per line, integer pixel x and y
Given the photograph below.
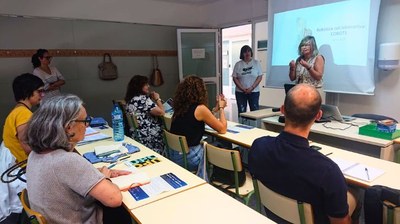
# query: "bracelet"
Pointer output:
{"type": "Point", "coordinates": [108, 179]}
{"type": "Point", "coordinates": [221, 107]}
{"type": "Point", "coordinates": [309, 67]}
{"type": "Point", "coordinates": [158, 99]}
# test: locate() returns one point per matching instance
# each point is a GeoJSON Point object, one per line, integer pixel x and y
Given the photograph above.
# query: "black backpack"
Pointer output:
{"type": "Point", "coordinates": [373, 203]}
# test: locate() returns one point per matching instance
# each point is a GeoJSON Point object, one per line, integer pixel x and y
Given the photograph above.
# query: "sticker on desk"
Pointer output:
{"type": "Point", "coordinates": [157, 185]}
{"type": "Point", "coordinates": [145, 161]}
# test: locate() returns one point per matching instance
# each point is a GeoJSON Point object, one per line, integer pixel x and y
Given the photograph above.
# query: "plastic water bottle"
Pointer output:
{"type": "Point", "coordinates": [117, 123]}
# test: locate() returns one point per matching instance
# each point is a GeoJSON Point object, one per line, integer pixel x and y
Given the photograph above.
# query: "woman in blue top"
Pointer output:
{"type": "Point", "coordinates": [190, 114]}
{"type": "Point", "coordinates": [247, 74]}
{"type": "Point", "coordinates": [148, 109]}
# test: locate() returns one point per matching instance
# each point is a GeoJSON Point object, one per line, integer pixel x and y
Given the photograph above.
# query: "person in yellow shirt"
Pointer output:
{"type": "Point", "coordinates": [28, 91]}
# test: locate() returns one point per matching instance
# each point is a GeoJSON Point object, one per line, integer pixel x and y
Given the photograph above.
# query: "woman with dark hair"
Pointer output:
{"type": "Point", "coordinates": [148, 108]}
{"type": "Point", "coordinates": [50, 75]}
{"type": "Point", "coordinates": [247, 75]}
{"type": "Point", "coordinates": [62, 185]}
{"type": "Point", "coordinates": [28, 92]}
{"type": "Point", "coordinates": [309, 66]}
{"type": "Point", "coordinates": [190, 115]}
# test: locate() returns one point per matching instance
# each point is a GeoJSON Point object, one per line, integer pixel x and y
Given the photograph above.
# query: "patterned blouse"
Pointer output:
{"type": "Point", "coordinates": [303, 76]}
{"type": "Point", "coordinates": [150, 131]}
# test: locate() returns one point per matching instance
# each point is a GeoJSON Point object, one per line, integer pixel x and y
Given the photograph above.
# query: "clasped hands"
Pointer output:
{"type": "Point", "coordinates": [221, 103]}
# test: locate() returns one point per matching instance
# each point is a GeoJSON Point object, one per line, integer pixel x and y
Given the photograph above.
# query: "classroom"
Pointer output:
{"type": "Point", "coordinates": [136, 31]}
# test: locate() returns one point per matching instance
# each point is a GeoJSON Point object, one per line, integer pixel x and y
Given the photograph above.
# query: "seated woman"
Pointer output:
{"type": "Point", "coordinates": [190, 114]}
{"type": "Point", "coordinates": [148, 109]}
{"type": "Point", "coordinates": [62, 185]}
{"type": "Point", "coordinates": [28, 92]}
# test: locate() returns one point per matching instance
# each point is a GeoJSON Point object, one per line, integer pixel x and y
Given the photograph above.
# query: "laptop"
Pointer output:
{"type": "Point", "coordinates": [168, 106]}
{"type": "Point", "coordinates": [288, 86]}
{"type": "Point", "coordinates": [331, 112]}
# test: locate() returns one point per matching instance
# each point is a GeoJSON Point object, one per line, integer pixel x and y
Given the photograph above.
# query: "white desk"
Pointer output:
{"type": "Point", "coordinates": [154, 170]}
{"type": "Point", "coordinates": [345, 139]}
{"type": "Point", "coordinates": [392, 170]}
{"type": "Point", "coordinates": [389, 178]}
{"type": "Point", "coordinates": [199, 205]}
{"type": "Point", "coordinates": [245, 138]}
{"type": "Point", "coordinates": [253, 118]}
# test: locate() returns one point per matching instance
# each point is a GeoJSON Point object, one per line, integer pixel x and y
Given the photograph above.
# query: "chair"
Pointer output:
{"type": "Point", "coordinates": [391, 213]}
{"type": "Point", "coordinates": [167, 121]}
{"type": "Point", "coordinates": [229, 160]}
{"type": "Point", "coordinates": [177, 143]}
{"type": "Point", "coordinates": [286, 208]}
{"type": "Point", "coordinates": [33, 216]}
{"type": "Point", "coordinates": [375, 117]}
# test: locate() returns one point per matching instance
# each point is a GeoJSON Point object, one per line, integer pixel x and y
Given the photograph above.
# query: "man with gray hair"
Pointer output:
{"type": "Point", "coordinates": [287, 165]}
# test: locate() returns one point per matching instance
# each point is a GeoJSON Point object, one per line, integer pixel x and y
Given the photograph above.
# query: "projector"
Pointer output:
{"type": "Point", "coordinates": [389, 56]}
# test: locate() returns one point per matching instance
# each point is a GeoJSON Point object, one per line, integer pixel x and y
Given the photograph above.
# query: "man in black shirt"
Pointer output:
{"type": "Point", "coordinates": [287, 165]}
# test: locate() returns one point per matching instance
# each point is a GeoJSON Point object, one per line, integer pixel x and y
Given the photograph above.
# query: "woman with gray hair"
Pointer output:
{"type": "Point", "coordinates": [309, 66]}
{"type": "Point", "coordinates": [61, 184]}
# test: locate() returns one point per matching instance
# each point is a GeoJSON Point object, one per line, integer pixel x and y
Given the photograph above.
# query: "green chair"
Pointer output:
{"type": "Point", "coordinates": [286, 208]}
{"type": "Point", "coordinates": [391, 213]}
{"type": "Point", "coordinates": [33, 216]}
{"type": "Point", "coordinates": [229, 160]}
{"type": "Point", "coordinates": [177, 143]}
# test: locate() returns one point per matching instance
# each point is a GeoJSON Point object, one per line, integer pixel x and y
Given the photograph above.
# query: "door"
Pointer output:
{"type": "Point", "coordinates": [198, 54]}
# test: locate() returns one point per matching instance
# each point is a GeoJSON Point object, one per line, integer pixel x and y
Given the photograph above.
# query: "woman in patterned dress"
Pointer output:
{"type": "Point", "coordinates": [309, 66]}
{"type": "Point", "coordinates": [148, 108]}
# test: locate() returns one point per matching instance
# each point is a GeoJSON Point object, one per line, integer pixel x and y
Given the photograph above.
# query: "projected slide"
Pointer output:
{"type": "Point", "coordinates": [345, 31]}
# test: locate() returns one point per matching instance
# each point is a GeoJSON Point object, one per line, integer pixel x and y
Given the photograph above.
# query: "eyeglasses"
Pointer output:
{"type": "Point", "coordinates": [41, 91]}
{"type": "Point", "coordinates": [48, 57]}
{"type": "Point", "coordinates": [86, 121]}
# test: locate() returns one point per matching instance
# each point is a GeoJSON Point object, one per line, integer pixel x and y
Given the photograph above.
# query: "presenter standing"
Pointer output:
{"type": "Point", "coordinates": [309, 66]}
{"type": "Point", "coordinates": [247, 74]}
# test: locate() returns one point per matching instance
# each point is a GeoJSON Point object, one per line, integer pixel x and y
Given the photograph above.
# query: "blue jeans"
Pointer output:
{"type": "Point", "coordinates": [195, 158]}
{"type": "Point", "coordinates": [242, 99]}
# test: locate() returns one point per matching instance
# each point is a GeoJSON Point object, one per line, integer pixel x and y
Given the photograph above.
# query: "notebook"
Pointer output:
{"type": "Point", "coordinates": [126, 182]}
{"type": "Point", "coordinates": [168, 106]}
{"type": "Point", "coordinates": [358, 170]}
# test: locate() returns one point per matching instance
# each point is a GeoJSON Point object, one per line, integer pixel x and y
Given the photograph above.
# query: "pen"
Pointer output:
{"type": "Point", "coordinates": [328, 154]}
{"type": "Point", "coordinates": [366, 171]}
{"type": "Point", "coordinates": [112, 165]}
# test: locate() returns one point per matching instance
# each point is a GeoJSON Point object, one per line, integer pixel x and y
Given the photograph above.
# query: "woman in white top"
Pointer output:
{"type": "Point", "coordinates": [51, 77]}
{"type": "Point", "coordinates": [247, 74]}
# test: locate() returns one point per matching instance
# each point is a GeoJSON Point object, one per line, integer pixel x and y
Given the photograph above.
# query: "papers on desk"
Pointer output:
{"type": "Point", "coordinates": [358, 170]}
{"type": "Point", "coordinates": [234, 129]}
{"type": "Point", "coordinates": [135, 179]}
{"type": "Point", "coordinates": [92, 135]}
{"type": "Point", "coordinates": [157, 185]}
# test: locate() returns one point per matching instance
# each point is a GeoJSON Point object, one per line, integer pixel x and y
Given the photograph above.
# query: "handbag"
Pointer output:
{"type": "Point", "coordinates": [156, 78]}
{"type": "Point", "coordinates": [107, 69]}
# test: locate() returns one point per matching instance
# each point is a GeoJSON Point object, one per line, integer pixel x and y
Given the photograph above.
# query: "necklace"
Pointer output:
{"type": "Point", "coordinates": [24, 105]}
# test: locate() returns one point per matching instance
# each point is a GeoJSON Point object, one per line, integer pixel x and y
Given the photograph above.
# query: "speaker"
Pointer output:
{"type": "Point", "coordinates": [389, 56]}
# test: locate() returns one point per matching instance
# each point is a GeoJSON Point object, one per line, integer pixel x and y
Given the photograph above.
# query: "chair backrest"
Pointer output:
{"type": "Point", "coordinates": [34, 217]}
{"type": "Point", "coordinates": [224, 158]}
{"type": "Point", "coordinates": [289, 209]}
{"type": "Point", "coordinates": [391, 213]}
{"type": "Point", "coordinates": [176, 142]}
{"type": "Point", "coordinates": [167, 122]}
{"type": "Point", "coordinates": [375, 117]}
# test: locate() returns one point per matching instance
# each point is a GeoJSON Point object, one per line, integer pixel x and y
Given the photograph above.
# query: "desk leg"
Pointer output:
{"type": "Point", "coordinates": [387, 153]}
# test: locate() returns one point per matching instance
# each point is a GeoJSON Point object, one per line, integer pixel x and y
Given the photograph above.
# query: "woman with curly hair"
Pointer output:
{"type": "Point", "coordinates": [190, 114]}
{"type": "Point", "coordinates": [148, 108]}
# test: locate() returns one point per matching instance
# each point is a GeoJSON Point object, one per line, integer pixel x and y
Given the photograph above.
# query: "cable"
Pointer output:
{"type": "Point", "coordinates": [11, 175]}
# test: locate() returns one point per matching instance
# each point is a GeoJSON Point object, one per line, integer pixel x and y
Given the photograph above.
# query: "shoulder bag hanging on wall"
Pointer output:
{"type": "Point", "coordinates": [107, 69]}
{"type": "Point", "coordinates": [156, 78]}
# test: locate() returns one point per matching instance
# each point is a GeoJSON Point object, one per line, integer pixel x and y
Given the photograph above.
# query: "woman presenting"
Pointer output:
{"type": "Point", "coordinates": [309, 66]}
{"type": "Point", "coordinates": [247, 74]}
